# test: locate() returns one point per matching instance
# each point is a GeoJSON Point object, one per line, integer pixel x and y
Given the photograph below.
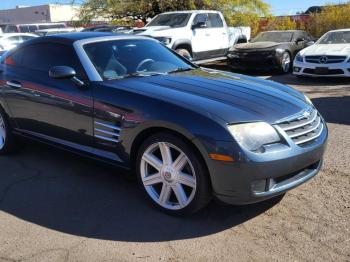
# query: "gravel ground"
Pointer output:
{"type": "Point", "coordinates": [55, 206]}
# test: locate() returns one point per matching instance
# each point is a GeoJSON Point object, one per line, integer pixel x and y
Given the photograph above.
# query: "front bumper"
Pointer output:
{"type": "Point", "coordinates": [321, 70]}
{"type": "Point", "coordinates": [257, 177]}
{"type": "Point", "coordinates": [254, 61]}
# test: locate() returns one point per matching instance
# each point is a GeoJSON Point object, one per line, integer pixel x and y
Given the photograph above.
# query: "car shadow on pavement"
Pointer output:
{"type": "Point", "coordinates": [67, 193]}
{"type": "Point", "coordinates": [334, 109]}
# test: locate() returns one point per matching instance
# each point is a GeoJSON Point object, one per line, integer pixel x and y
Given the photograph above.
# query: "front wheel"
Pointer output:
{"type": "Point", "coordinates": [172, 175]}
{"type": "Point", "coordinates": [185, 53]}
{"type": "Point", "coordinates": [7, 143]}
{"type": "Point", "coordinates": [286, 62]}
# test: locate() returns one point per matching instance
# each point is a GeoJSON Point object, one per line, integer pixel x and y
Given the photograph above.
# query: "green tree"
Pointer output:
{"type": "Point", "coordinates": [281, 23]}
{"type": "Point", "coordinates": [332, 17]}
{"type": "Point", "coordinates": [236, 12]}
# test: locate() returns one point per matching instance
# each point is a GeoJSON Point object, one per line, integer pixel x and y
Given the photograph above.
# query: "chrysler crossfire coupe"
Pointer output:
{"type": "Point", "coordinates": [188, 133]}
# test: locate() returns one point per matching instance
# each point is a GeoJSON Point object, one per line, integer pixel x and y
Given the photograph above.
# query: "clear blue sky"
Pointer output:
{"type": "Point", "coordinates": [278, 7]}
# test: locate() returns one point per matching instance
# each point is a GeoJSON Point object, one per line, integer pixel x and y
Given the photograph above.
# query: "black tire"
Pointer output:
{"type": "Point", "coordinates": [7, 142]}
{"type": "Point", "coordinates": [185, 53]}
{"type": "Point", "coordinates": [202, 192]}
{"type": "Point", "coordinates": [285, 68]}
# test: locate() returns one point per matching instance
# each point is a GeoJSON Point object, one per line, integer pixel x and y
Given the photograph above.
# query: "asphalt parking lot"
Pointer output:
{"type": "Point", "coordinates": [55, 206]}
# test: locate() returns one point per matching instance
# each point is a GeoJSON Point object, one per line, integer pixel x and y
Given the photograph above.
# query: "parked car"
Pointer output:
{"type": "Point", "coordinates": [54, 31]}
{"type": "Point", "coordinates": [30, 28]}
{"type": "Point", "coordinates": [9, 41]}
{"type": "Point", "coordinates": [189, 133]}
{"type": "Point", "coordinates": [109, 28]}
{"type": "Point", "coordinates": [329, 57]}
{"type": "Point", "coordinates": [197, 35]}
{"type": "Point", "coordinates": [269, 50]}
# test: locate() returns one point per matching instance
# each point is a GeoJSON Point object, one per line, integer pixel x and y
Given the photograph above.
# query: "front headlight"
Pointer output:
{"type": "Point", "coordinates": [308, 100]}
{"type": "Point", "coordinates": [253, 136]}
{"type": "Point", "coordinates": [164, 40]}
{"type": "Point", "coordinates": [299, 58]}
{"type": "Point", "coordinates": [232, 49]}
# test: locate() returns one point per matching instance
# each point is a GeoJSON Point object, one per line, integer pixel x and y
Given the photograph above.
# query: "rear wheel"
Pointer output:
{"type": "Point", "coordinates": [286, 62]}
{"type": "Point", "coordinates": [172, 175]}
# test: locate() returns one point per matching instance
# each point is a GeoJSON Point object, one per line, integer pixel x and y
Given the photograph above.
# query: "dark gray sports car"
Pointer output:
{"type": "Point", "coordinates": [269, 50]}
{"type": "Point", "coordinates": [189, 133]}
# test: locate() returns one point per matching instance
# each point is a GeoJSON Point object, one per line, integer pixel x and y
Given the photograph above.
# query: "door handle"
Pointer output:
{"type": "Point", "coordinates": [14, 84]}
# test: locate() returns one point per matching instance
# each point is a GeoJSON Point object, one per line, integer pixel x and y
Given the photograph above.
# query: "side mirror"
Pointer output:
{"type": "Point", "coordinates": [62, 72]}
{"type": "Point", "coordinates": [299, 40]}
{"type": "Point", "coordinates": [310, 43]}
{"type": "Point", "coordinates": [65, 72]}
{"type": "Point", "coordinates": [199, 25]}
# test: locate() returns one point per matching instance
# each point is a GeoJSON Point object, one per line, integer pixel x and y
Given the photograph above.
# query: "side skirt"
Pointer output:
{"type": "Point", "coordinates": [82, 150]}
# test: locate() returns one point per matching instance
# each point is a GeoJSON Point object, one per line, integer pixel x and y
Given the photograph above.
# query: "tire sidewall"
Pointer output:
{"type": "Point", "coordinates": [290, 63]}
{"type": "Point", "coordinates": [5, 148]}
{"type": "Point", "coordinates": [183, 52]}
{"type": "Point", "coordinates": [203, 193]}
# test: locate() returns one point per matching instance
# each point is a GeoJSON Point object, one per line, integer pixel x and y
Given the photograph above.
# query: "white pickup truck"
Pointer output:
{"type": "Point", "coordinates": [199, 35]}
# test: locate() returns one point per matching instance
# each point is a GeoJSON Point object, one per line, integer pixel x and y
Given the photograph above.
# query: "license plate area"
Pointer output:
{"type": "Point", "coordinates": [321, 70]}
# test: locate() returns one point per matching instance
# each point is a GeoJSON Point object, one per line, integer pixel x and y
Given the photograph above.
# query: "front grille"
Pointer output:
{"type": "Point", "coordinates": [303, 129]}
{"type": "Point", "coordinates": [326, 72]}
{"type": "Point", "coordinates": [325, 59]}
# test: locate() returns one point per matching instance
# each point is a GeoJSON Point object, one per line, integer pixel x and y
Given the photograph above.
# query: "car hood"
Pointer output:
{"type": "Point", "coordinates": [149, 30]}
{"type": "Point", "coordinates": [231, 97]}
{"type": "Point", "coordinates": [257, 45]}
{"type": "Point", "coordinates": [336, 49]}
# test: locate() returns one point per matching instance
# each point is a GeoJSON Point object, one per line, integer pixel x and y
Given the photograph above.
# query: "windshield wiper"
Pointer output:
{"type": "Point", "coordinates": [181, 69]}
{"type": "Point", "coordinates": [146, 74]}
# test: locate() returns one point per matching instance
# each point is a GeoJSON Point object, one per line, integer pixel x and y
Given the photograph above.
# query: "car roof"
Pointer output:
{"type": "Point", "coordinates": [281, 31]}
{"type": "Point", "coordinates": [192, 12]}
{"type": "Point", "coordinates": [71, 38]}
{"type": "Point", "coordinates": [68, 38]}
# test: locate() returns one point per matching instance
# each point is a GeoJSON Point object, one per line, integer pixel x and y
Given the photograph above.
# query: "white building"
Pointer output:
{"type": "Point", "coordinates": [39, 14]}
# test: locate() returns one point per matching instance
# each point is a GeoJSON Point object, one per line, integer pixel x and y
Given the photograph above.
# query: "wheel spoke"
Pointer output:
{"type": "Point", "coordinates": [152, 179]}
{"type": "Point", "coordinates": [152, 160]}
{"type": "Point", "coordinates": [180, 162]}
{"type": "Point", "coordinates": [180, 194]}
{"type": "Point", "coordinates": [164, 194]}
{"type": "Point", "coordinates": [2, 132]}
{"type": "Point", "coordinates": [187, 180]}
{"type": "Point", "coordinates": [166, 154]}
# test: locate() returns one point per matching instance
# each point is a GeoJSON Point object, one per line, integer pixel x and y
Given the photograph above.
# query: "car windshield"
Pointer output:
{"type": "Point", "coordinates": [277, 37]}
{"type": "Point", "coordinates": [134, 58]}
{"type": "Point", "coordinates": [172, 20]}
{"type": "Point", "coordinates": [341, 37]}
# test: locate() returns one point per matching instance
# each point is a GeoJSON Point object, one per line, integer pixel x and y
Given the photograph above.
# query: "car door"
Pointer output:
{"type": "Point", "coordinates": [202, 42]}
{"type": "Point", "coordinates": [218, 34]}
{"type": "Point", "coordinates": [57, 110]}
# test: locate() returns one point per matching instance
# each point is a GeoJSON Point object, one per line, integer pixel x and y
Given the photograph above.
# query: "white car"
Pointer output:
{"type": "Point", "coordinates": [11, 40]}
{"type": "Point", "coordinates": [54, 31]}
{"type": "Point", "coordinates": [328, 57]}
{"type": "Point", "coordinates": [199, 35]}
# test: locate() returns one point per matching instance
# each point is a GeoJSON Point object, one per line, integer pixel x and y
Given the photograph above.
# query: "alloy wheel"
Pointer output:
{"type": "Point", "coordinates": [168, 176]}
{"type": "Point", "coordinates": [286, 60]}
{"type": "Point", "coordinates": [2, 132]}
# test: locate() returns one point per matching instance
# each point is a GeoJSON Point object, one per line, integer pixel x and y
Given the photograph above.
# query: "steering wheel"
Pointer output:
{"type": "Point", "coordinates": [143, 63]}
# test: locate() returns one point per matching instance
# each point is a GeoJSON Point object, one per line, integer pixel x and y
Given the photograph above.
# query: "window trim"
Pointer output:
{"type": "Point", "coordinates": [88, 66]}
{"type": "Point", "coordinates": [9, 56]}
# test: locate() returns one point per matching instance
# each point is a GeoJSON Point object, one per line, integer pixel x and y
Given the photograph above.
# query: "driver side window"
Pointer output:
{"type": "Point", "coordinates": [42, 57]}
{"type": "Point", "coordinates": [200, 18]}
